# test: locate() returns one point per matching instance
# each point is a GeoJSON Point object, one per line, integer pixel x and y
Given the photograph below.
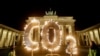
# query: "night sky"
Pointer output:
{"type": "Point", "coordinates": [14, 13]}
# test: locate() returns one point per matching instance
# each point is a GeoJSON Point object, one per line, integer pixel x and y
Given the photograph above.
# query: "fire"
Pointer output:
{"type": "Point", "coordinates": [72, 47]}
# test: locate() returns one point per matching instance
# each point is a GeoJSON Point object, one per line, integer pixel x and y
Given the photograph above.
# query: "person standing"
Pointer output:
{"type": "Point", "coordinates": [92, 49]}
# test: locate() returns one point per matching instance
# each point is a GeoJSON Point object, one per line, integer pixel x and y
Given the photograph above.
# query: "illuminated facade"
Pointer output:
{"type": "Point", "coordinates": [9, 37]}
{"type": "Point", "coordinates": [84, 37]}
{"type": "Point", "coordinates": [46, 34]}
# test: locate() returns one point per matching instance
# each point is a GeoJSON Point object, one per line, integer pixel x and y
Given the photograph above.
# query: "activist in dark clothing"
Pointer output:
{"type": "Point", "coordinates": [92, 49]}
{"type": "Point", "coordinates": [93, 46]}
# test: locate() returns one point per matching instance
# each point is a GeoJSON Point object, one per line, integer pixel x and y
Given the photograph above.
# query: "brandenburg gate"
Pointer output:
{"type": "Point", "coordinates": [50, 31]}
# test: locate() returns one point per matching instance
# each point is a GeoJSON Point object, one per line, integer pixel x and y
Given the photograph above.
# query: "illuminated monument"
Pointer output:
{"type": "Point", "coordinates": [47, 36]}
{"type": "Point", "coordinates": [50, 33]}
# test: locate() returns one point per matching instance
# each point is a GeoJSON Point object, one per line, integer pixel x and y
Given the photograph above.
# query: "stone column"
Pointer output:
{"type": "Point", "coordinates": [14, 39]}
{"type": "Point", "coordinates": [73, 29]}
{"type": "Point", "coordinates": [6, 39]}
{"type": "Point", "coordinates": [40, 37]}
{"type": "Point", "coordinates": [61, 32]}
{"type": "Point", "coordinates": [10, 38]}
{"type": "Point", "coordinates": [1, 33]}
{"type": "Point", "coordinates": [99, 34]}
{"type": "Point", "coordinates": [63, 35]}
{"type": "Point", "coordinates": [19, 39]}
{"type": "Point", "coordinates": [96, 34]}
{"type": "Point", "coordinates": [78, 38]}
{"type": "Point", "coordinates": [89, 38]}
{"type": "Point", "coordinates": [39, 33]}
{"type": "Point", "coordinates": [70, 29]}
{"type": "Point", "coordinates": [82, 39]}
{"type": "Point", "coordinates": [94, 37]}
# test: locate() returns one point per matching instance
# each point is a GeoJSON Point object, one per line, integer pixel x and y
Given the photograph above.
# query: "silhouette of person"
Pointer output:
{"type": "Point", "coordinates": [93, 49]}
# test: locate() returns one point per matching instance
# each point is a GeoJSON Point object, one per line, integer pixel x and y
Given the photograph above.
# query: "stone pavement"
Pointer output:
{"type": "Point", "coordinates": [20, 51]}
